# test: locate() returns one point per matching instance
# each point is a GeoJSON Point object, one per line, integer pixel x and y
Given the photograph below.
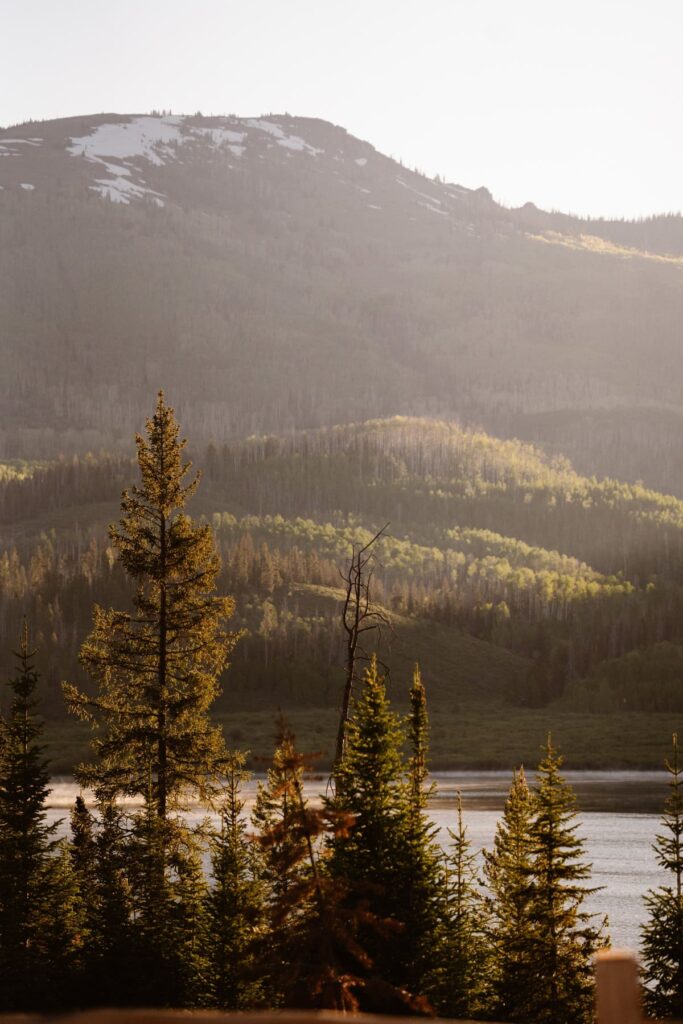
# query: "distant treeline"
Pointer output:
{"type": "Point", "coordinates": [487, 537]}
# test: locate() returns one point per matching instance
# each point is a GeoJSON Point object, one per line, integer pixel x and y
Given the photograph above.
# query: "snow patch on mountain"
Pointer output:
{"type": "Point", "coordinates": [157, 140]}
{"type": "Point", "coordinates": [287, 141]}
{"type": "Point", "coordinates": [121, 190]}
{"type": "Point", "coordinates": [148, 137]}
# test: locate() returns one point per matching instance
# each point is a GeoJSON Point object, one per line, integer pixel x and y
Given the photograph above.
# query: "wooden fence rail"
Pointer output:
{"type": "Point", "coordinates": [618, 1001]}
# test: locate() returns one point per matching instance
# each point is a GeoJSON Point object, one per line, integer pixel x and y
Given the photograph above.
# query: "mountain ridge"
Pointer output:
{"type": "Point", "coordinates": [308, 279]}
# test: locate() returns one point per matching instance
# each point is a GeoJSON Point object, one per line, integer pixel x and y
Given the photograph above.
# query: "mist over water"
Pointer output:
{"type": "Point", "coordinates": [620, 815]}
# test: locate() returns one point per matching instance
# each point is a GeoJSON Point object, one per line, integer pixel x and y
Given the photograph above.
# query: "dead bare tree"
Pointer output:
{"type": "Point", "coordinates": [359, 616]}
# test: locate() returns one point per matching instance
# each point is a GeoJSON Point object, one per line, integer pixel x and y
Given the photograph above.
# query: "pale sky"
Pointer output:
{"type": "Point", "coordinates": [571, 104]}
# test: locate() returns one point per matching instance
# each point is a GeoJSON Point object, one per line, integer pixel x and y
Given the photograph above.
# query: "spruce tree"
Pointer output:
{"type": "Point", "coordinates": [565, 938]}
{"type": "Point", "coordinates": [236, 905]}
{"type": "Point", "coordinates": [113, 943]}
{"type": "Point", "coordinates": [37, 913]}
{"type": "Point", "coordinates": [157, 667]}
{"type": "Point", "coordinates": [276, 804]}
{"type": "Point", "coordinates": [83, 855]}
{"type": "Point", "coordinates": [423, 886]}
{"type": "Point", "coordinates": [371, 789]}
{"type": "Point", "coordinates": [150, 852]}
{"type": "Point", "coordinates": [190, 930]}
{"type": "Point", "coordinates": [313, 955]}
{"type": "Point", "coordinates": [461, 968]}
{"type": "Point", "coordinates": [662, 934]}
{"type": "Point", "coordinates": [157, 670]}
{"type": "Point", "coordinates": [508, 872]}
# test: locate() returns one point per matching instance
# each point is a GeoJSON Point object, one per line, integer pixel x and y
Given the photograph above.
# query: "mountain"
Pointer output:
{"type": "Point", "coordinates": [276, 273]}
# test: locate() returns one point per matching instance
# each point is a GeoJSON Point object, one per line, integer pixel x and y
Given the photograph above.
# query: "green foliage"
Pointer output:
{"type": "Point", "coordinates": [236, 902]}
{"type": "Point", "coordinates": [101, 854]}
{"type": "Point", "coordinates": [460, 979]}
{"type": "Point", "coordinates": [508, 870]}
{"type": "Point", "coordinates": [565, 940]}
{"type": "Point", "coordinates": [647, 679]}
{"type": "Point", "coordinates": [37, 907]}
{"type": "Point", "coordinates": [313, 953]}
{"type": "Point", "coordinates": [387, 857]}
{"type": "Point", "coordinates": [423, 885]}
{"type": "Point", "coordinates": [276, 802]}
{"type": "Point", "coordinates": [190, 930]}
{"type": "Point", "coordinates": [370, 788]}
{"type": "Point", "coordinates": [662, 934]}
{"type": "Point", "coordinates": [157, 672]}
{"type": "Point", "coordinates": [157, 668]}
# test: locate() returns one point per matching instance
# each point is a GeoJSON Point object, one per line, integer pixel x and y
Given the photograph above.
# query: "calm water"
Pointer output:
{"type": "Point", "coordinates": [619, 817]}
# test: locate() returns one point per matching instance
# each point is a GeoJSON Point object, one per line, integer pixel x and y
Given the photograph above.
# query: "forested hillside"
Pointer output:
{"type": "Point", "coordinates": [278, 273]}
{"type": "Point", "coordinates": [527, 592]}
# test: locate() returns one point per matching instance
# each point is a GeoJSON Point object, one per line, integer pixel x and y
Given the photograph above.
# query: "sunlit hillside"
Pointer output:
{"type": "Point", "coordinates": [516, 582]}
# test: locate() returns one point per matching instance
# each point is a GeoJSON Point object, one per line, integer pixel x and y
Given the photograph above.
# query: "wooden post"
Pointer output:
{"type": "Point", "coordinates": [617, 987]}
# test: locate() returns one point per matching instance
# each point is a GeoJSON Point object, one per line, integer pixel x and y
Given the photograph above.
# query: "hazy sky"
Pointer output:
{"type": "Point", "coordinates": [573, 104]}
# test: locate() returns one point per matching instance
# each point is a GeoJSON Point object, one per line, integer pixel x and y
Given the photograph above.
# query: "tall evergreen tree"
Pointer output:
{"type": "Point", "coordinates": [113, 944]}
{"type": "Point", "coordinates": [157, 668]}
{"type": "Point", "coordinates": [83, 854]}
{"type": "Point", "coordinates": [372, 857]}
{"type": "Point", "coordinates": [314, 956]}
{"type": "Point", "coordinates": [168, 899]}
{"type": "Point", "coordinates": [37, 922]}
{"type": "Point", "coordinates": [566, 939]}
{"type": "Point", "coordinates": [273, 816]}
{"type": "Point", "coordinates": [191, 929]}
{"type": "Point", "coordinates": [461, 967]}
{"type": "Point", "coordinates": [236, 902]}
{"type": "Point", "coordinates": [423, 887]}
{"type": "Point", "coordinates": [508, 872]}
{"type": "Point", "coordinates": [662, 934]}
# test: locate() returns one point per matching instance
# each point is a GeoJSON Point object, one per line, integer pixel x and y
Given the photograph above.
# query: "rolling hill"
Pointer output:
{"type": "Point", "coordinates": [532, 597]}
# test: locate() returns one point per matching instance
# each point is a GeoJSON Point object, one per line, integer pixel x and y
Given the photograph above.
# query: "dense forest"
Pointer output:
{"type": "Point", "coordinates": [521, 584]}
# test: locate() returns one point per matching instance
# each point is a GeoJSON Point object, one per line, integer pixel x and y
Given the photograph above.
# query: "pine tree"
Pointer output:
{"type": "Point", "coordinates": [566, 940]}
{"type": "Point", "coordinates": [84, 846]}
{"type": "Point", "coordinates": [37, 919]}
{"type": "Point", "coordinates": [151, 851]}
{"type": "Point", "coordinates": [236, 907]}
{"type": "Point", "coordinates": [157, 668]}
{"type": "Point", "coordinates": [157, 671]}
{"type": "Point", "coordinates": [461, 966]}
{"type": "Point", "coordinates": [190, 928]}
{"type": "Point", "coordinates": [662, 934]}
{"type": "Point", "coordinates": [313, 954]}
{"type": "Point", "coordinates": [371, 789]}
{"type": "Point", "coordinates": [276, 803]}
{"type": "Point", "coordinates": [508, 871]}
{"type": "Point", "coordinates": [83, 855]}
{"type": "Point", "coordinates": [423, 885]}
{"type": "Point", "coordinates": [113, 942]}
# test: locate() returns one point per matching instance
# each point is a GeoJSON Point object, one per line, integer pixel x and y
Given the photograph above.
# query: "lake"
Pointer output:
{"type": "Point", "coordinates": [619, 817]}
